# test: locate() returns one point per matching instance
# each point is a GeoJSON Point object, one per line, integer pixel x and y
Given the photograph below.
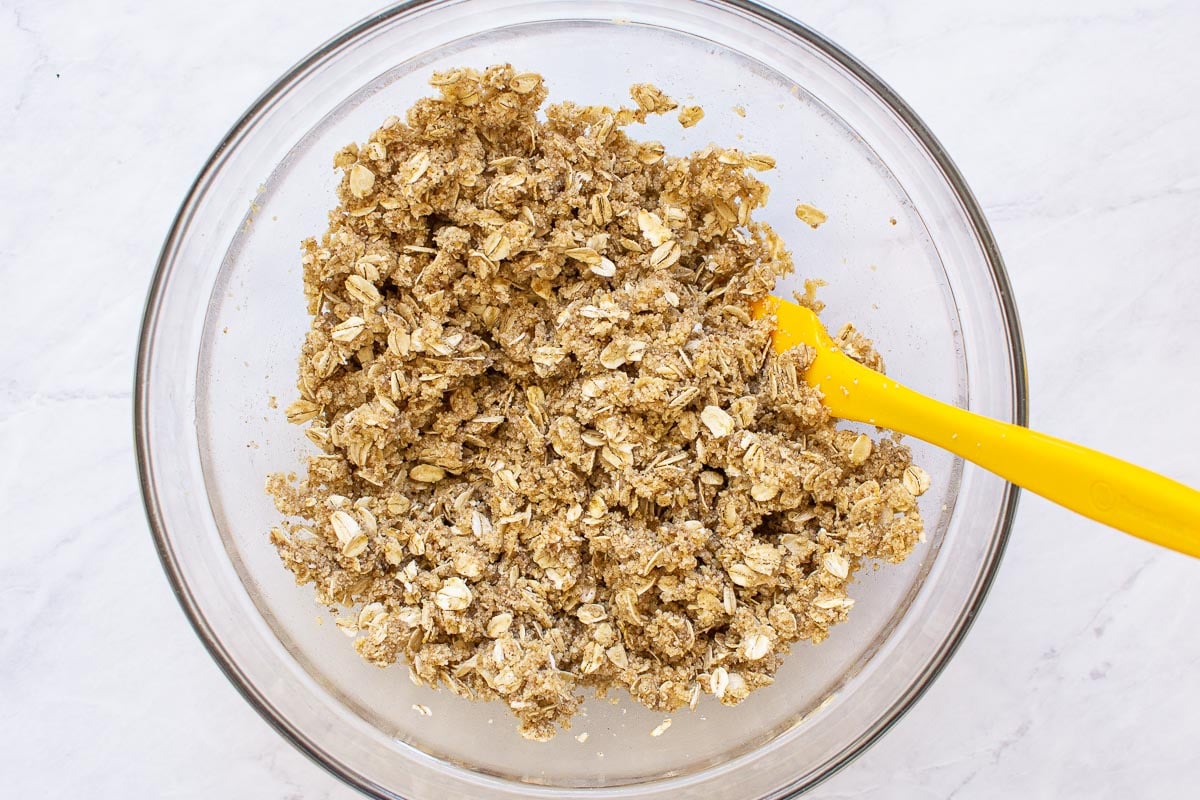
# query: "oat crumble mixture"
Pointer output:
{"type": "Point", "coordinates": [557, 453]}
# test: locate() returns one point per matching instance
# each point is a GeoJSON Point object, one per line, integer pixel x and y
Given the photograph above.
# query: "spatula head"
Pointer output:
{"type": "Point", "coordinates": [796, 325]}
{"type": "Point", "coordinates": [848, 389]}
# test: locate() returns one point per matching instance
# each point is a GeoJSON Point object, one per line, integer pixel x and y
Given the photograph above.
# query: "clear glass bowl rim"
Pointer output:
{"type": "Point", "coordinates": [844, 59]}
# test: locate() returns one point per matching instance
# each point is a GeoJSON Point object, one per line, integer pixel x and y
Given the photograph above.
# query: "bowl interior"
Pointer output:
{"type": "Point", "coordinates": [902, 262]}
{"type": "Point", "coordinates": [886, 278]}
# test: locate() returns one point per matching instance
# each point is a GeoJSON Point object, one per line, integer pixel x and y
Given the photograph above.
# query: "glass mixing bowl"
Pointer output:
{"type": "Point", "coordinates": [907, 256]}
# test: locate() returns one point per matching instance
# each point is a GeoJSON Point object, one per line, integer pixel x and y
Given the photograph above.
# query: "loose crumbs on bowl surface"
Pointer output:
{"type": "Point", "coordinates": [556, 451]}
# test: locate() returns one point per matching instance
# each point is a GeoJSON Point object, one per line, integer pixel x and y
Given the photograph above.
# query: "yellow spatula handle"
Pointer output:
{"type": "Point", "coordinates": [1106, 489]}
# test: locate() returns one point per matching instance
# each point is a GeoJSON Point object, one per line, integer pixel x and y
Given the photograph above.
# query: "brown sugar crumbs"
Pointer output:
{"type": "Point", "coordinates": [556, 452]}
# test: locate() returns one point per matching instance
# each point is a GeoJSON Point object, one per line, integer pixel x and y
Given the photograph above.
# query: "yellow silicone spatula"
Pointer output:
{"type": "Point", "coordinates": [1101, 487]}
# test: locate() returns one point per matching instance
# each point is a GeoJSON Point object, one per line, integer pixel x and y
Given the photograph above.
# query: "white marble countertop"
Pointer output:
{"type": "Point", "coordinates": [1075, 123]}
